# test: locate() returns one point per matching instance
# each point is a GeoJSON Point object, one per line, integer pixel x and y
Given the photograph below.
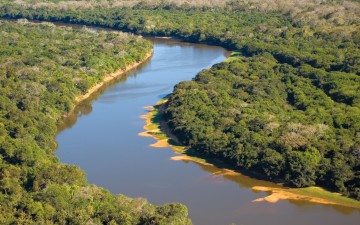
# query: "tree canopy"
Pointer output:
{"type": "Point", "coordinates": [42, 69]}
{"type": "Point", "coordinates": [287, 105]}
{"type": "Point", "coordinates": [282, 121]}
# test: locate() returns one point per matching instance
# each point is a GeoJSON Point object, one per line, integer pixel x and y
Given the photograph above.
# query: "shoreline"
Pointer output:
{"type": "Point", "coordinates": [107, 79]}
{"type": "Point", "coordinates": [156, 128]}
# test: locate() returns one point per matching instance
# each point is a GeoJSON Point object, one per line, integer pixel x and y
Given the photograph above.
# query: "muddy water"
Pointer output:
{"type": "Point", "coordinates": [102, 138]}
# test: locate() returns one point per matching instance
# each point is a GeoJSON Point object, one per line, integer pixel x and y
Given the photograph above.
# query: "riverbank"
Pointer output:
{"type": "Point", "coordinates": [157, 128]}
{"type": "Point", "coordinates": [107, 79]}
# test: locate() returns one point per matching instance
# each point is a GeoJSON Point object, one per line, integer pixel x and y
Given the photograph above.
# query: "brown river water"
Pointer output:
{"type": "Point", "coordinates": [101, 137]}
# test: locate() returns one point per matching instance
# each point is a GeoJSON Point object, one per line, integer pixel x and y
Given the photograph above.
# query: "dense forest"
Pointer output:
{"type": "Point", "coordinates": [42, 69]}
{"type": "Point", "coordinates": [287, 105]}
{"type": "Point", "coordinates": [284, 122]}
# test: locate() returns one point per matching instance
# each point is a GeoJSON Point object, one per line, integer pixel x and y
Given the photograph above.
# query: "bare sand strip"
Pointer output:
{"type": "Point", "coordinates": [275, 194]}
{"type": "Point", "coordinates": [278, 194]}
{"type": "Point", "coordinates": [151, 130]}
{"type": "Point", "coordinates": [160, 144]}
{"type": "Point", "coordinates": [110, 77]}
{"type": "Point", "coordinates": [107, 78]}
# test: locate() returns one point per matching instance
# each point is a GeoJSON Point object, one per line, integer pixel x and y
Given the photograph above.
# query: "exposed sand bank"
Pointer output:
{"type": "Point", "coordinates": [185, 158]}
{"type": "Point", "coordinates": [157, 129]}
{"type": "Point", "coordinates": [160, 144]}
{"type": "Point", "coordinates": [278, 194]}
{"type": "Point", "coordinates": [153, 130]}
{"type": "Point", "coordinates": [108, 78]}
{"type": "Point", "coordinates": [112, 76]}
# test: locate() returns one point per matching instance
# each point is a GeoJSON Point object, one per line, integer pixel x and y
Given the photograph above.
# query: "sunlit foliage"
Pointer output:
{"type": "Point", "coordinates": [42, 69]}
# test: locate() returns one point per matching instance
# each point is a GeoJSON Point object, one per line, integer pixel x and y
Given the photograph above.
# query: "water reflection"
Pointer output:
{"type": "Point", "coordinates": [247, 182]}
{"type": "Point", "coordinates": [105, 143]}
{"type": "Point", "coordinates": [85, 107]}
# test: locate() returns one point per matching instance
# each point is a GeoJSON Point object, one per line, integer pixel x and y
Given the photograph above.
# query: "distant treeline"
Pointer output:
{"type": "Point", "coordinates": [329, 48]}
{"type": "Point", "coordinates": [42, 69]}
{"type": "Point", "coordinates": [288, 106]}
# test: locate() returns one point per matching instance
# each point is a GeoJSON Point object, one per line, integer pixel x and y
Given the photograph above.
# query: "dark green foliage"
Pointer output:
{"type": "Point", "coordinates": [42, 69]}
{"type": "Point", "coordinates": [294, 95]}
{"type": "Point", "coordinates": [288, 108]}
{"type": "Point", "coordinates": [279, 120]}
{"type": "Point", "coordinates": [252, 32]}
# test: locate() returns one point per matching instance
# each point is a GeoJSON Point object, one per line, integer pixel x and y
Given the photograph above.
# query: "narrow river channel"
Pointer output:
{"type": "Point", "coordinates": [102, 138]}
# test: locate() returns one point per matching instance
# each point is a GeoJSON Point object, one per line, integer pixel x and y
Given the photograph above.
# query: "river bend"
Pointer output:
{"type": "Point", "coordinates": [102, 138]}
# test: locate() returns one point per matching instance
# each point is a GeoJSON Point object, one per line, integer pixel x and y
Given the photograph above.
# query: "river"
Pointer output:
{"type": "Point", "coordinates": [102, 138]}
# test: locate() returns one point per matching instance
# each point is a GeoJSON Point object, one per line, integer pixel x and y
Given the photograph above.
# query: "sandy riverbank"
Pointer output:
{"type": "Point", "coordinates": [278, 194]}
{"type": "Point", "coordinates": [108, 78]}
{"type": "Point", "coordinates": [156, 128]}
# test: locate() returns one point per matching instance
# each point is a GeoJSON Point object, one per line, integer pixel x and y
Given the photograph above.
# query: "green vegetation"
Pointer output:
{"type": "Point", "coordinates": [42, 69]}
{"type": "Point", "coordinates": [317, 192]}
{"type": "Point", "coordinates": [261, 115]}
{"type": "Point", "coordinates": [157, 128]}
{"type": "Point", "coordinates": [287, 106]}
{"type": "Point", "coordinates": [321, 43]}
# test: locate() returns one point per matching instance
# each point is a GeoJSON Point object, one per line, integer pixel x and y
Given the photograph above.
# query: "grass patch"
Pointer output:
{"type": "Point", "coordinates": [235, 55]}
{"type": "Point", "coordinates": [330, 196]}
